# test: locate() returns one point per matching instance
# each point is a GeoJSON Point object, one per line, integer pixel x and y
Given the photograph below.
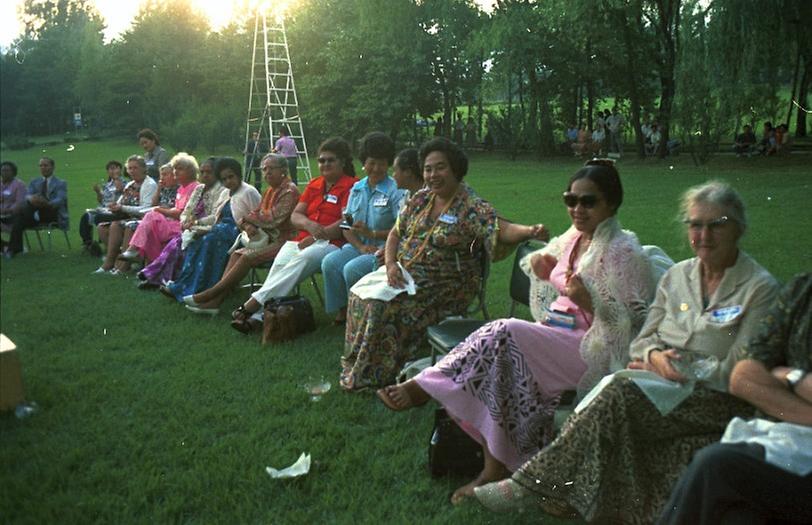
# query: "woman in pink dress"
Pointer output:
{"type": "Point", "coordinates": [589, 295]}
{"type": "Point", "coordinates": [162, 224]}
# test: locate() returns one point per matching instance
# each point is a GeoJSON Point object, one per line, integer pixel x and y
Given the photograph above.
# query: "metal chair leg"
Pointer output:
{"type": "Point", "coordinates": [67, 239]}
{"type": "Point", "coordinates": [27, 241]}
{"type": "Point", "coordinates": [39, 240]}
{"type": "Point", "coordinates": [316, 287]}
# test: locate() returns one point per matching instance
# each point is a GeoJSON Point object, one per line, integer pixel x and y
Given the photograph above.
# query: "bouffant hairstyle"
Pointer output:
{"type": "Point", "coordinates": [224, 163]}
{"type": "Point", "coordinates": [341, 149]}
{"type": "Point", "coordinates": [147, 133]}
{"type": "Point", "coordinates": [376, 145]}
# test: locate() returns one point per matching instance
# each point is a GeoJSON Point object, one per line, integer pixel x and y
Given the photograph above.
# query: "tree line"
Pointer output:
{"type": "Point", "coordinates": [523, 72]}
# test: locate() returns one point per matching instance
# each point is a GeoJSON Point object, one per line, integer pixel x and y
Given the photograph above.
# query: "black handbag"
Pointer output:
{"type": "Point", "coordinates": [285, 318]}
{"type": "Point", "coordinates": [451, 450]}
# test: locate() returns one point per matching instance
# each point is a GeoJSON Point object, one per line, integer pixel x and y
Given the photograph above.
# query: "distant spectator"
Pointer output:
{"type": "Point", "coordinates": [12, 194]}
{"type": "Point", "coordinates": [767, 141]}
{"type": "Point", "coordinates": [106, 194]}
{"type": "Point", "coordinates": [654, 139]}
{"type": "Point", "coordinates": [46, 202]}
{"type": "Point", "coordinates": [286, 147]}
{"type": "Point", "coordinates": [598, 140]}
{"type": "Point", "coordinates": [439, 130]}
{"type": "Point", "coordinates": [154, 155]}
{"type": "Point", "coordinates": [581, 144]}
{"type": "Point", "coordinates": [599, 120]}
{"type": "Point", "coordinates": [570, 136]}
{"type": "Point", "coordinates": [471, 138]}
{"type": "Point", "coordinates": [459, 126]}
{"type": "Point", "coordinates": [255, 149]}
{"type": "Point", "coordinates": [614, 123]}
{"type": "Point", "coordinates": [782, 143]}
{"type": "Point", "coordinates": [745, 142]}
{"type": "Point", "coordinates": [645, 129]}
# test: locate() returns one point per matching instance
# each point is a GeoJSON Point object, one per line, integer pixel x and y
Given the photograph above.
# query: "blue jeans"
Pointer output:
{"type": "Point", "coordinates": [341, 270]}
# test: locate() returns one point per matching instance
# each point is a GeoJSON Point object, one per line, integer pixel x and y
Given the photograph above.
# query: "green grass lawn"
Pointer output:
{"type": "Point", "coordinates": [148, 414]}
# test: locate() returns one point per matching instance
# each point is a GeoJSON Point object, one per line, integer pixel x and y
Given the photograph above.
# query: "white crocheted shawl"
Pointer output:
{"type": "Point", "coordinates": [619, 278]}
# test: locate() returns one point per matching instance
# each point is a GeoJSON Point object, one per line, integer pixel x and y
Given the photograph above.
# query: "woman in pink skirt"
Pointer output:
{"type": "Point", "coordinates": [162, 224]}
{"type": "Point", "coordinates": [589, 295]}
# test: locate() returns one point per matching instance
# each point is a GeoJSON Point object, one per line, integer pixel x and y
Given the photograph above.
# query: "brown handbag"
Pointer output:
{"type": "Point", "coordinates": [284, 318]}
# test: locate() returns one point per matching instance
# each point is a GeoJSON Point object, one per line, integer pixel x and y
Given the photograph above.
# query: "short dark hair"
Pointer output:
{"type": "Point", "coordinates": [150, 135]}
{"type": "Point", "coordinates": [113, 163]}
{"type": "Point", "coordinates": [50, 161]}
{"type": "Point", "coordinates": [10, 165]}
{"type": "Point", "coordinates": [457, 158]}
{"type": "Point", "coordinates": [376, 145]}
{"type": "Point", "coordinates": [408, 160]}
{"type": "Point", "coordinates": [284, 131]}
{"type": "Point", "coordinates": [604, 174]}
{"type": "Point", "coordinates": [342, 150]}
{"type": "Point", "coordinates": [213, 162]}
{"type": "Point", "coordinates": [224, 163]}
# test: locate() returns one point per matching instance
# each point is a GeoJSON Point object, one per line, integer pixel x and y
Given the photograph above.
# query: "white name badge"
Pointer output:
{"type": "Point", "coordinates": [150, 162]}
{"type": "Point", "coordinates": [332, 199]}
{"type": "Point", "coordinates": [448, 219]}
{"type": "Point", "coordinates": [380, 202]}
{"type": "Point", "coordinates": [725, 315]}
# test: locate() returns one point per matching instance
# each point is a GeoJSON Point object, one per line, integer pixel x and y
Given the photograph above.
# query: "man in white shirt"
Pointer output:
{"type": "Point", "coordinates": [615, 124]}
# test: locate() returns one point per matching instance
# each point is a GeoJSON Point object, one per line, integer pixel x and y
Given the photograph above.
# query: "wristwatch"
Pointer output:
{"type": "Point", "coordinates": [794, 377]}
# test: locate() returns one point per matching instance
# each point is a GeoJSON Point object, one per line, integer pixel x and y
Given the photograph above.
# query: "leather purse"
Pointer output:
{"type": "Point", "coordinates": [285, 318]}
{"type": "Point", "coordinates": [451, 450]}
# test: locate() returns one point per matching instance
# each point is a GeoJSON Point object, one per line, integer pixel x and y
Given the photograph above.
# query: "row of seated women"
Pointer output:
{"type": "Point", "coordinates": [591, 298]}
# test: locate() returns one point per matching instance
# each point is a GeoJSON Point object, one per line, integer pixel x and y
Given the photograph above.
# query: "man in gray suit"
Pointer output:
{"type": "Point", "coordinates": [46, 202]}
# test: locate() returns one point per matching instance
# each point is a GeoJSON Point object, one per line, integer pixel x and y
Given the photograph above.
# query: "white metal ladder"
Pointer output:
{"type": "Point", "coordinates": [272, 101]}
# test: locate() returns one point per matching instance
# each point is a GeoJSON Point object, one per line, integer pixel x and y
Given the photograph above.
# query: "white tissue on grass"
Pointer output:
{"type": "Point", "coordinates": [300, 468]}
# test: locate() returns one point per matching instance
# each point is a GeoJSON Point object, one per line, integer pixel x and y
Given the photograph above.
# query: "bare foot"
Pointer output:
{"type": "Point", "coordinates": [403, 396]}
{"type": "Point", "coordinates": [484, 477]}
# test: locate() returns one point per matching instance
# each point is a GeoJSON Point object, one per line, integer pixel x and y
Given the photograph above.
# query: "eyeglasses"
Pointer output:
{"type": "Point", "coordinates": [327, 160]}
{"type": "Point", "coordinates": [587, 201]}
{"type": "Point", "coordinates": [713, 225]}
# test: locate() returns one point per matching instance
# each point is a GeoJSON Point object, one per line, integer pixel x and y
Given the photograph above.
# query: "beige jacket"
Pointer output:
{"type": "Point", "coordinates": [678, 320]}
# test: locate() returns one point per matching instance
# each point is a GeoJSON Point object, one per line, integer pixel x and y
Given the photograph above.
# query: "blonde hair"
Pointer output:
{"type": "Point", "coordinates": [185, 161]}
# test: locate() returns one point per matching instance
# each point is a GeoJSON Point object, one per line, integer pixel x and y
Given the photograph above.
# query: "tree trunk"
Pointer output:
{"type": "Point", "coordinates": [667, 28]}
{"type": "Point", "coordinates": [803, 91]}
{"type": "Point", "coordinates": [792, 86]}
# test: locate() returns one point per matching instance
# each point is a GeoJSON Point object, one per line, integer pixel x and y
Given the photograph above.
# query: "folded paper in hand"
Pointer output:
{"type": "Point", "coordinates": [375, 285]}
{"type": "Point", "coordinates": [300, 468]}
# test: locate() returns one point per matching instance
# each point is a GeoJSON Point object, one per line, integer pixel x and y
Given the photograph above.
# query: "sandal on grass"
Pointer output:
{"type": "Point", "coordinates": [240, 314]}
{"type": "Point", "coordinates": [245, 326]}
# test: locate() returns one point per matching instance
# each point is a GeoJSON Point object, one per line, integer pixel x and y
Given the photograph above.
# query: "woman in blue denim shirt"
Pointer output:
{"type": "Point", "coordinates": [373, 207]}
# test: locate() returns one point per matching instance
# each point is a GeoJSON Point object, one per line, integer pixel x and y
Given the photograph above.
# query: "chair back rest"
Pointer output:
{"type": "Point", "coordinates": [659, 260]}
{"type": "Point", "coordinates": [519, 282]}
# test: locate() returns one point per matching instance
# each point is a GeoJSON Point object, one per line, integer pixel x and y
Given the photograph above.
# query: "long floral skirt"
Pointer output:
{"type": "Point", "coordinates": [504, 382]}
{"type": "Point", "coordinates": [618, 459]}
{"type": "Point", "coordinates": [381, 336]}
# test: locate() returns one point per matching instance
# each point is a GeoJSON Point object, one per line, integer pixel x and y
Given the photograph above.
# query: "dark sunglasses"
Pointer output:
{"type": "Point", "coordinates": [587, 201]}
{"type": "Point", "coordinates": [327, 160]}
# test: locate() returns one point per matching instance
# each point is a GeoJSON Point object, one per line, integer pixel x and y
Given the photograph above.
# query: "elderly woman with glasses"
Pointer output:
{"type": "Point", "coordinates": [616, 459]}
{"type": "Point", "coordinates": [590, 290]}
{"type": "Point", "coordinates": [273, 217]}
{"type": "Point", "coordinates": [317, 216]}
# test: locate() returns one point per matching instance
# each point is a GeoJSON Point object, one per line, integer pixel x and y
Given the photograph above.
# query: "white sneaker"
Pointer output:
{"type": "Point", "coordinates": [99, 271]}
{"type": "Point", "coordinates": [116, 271]}
{"type": "Point", "coordinates": [203, 311]}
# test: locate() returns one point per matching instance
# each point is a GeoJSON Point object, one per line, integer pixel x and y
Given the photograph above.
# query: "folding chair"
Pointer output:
{"type": "Point", "coordinates": [48, 228]}
{"type": "Point", "coordinates": [254, 280]}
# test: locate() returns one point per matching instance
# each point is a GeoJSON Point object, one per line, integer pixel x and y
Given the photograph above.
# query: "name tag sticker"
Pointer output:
{"type": "Point", "coordinates": [725, 315]}
{"type": "Point", "coordinates": [561, 319]}
{"type": "Point", "coordinates": [380, 202]}
{"type": "Point", "coordinates": [448, 219]}
{"type": "Point", "coordinates": [150, 162]}
{"type": "Point", "coordinates": [332, 199]}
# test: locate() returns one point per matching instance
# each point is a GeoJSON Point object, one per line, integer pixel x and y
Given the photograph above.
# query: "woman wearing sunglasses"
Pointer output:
{"type": "Point", "coordinates": [617, 458]}
{"type": "Point", "coordinates": [317, 216]}
{"type": "Point", "coordinates": [589, 295]}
